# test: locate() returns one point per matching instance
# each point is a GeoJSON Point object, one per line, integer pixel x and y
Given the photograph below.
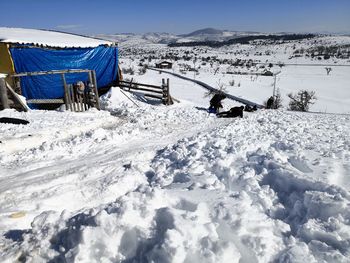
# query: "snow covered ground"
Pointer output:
{"type": "Point", "coordinates": [155, 183]}
{"type": "Point", "coordinates": [172, 184]}
{"type": "Point", "coordinates": [221, 67]}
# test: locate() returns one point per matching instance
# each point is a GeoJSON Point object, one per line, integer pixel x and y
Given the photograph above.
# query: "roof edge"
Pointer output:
{"type": "Point", "coordinates": [35, 45]}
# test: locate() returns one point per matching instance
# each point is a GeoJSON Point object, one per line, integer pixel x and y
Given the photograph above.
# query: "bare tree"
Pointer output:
{"type": "Point", "coordinates": [216, 70]}
{"type": "Point", "coordinates": [302, 100]}
{"type": "Point", "coordinates": [220, 90]}
{"type": "Point", "coordinates": [328, 70]}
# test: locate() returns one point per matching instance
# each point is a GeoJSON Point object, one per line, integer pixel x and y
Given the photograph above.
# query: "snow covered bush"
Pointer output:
{"type": "Point", "coordinates": [302, 100]}
{"type": "Point", "coordinates": [232, 82]}
{"type": "Point", "coordinates": [129, 71]}
{"type": "Point", "coordinates": [143, 70]}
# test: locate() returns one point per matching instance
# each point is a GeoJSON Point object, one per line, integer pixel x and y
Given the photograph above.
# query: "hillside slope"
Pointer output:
{"type": "Point", "coordinates": [172, 184]}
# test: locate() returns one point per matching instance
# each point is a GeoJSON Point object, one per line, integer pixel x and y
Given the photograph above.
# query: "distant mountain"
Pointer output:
{"type": "Point", "coordinates": [213, 34]}
{"type": "Point", "coordinates": [206, 34]}
{"type": "Point", "coordinates": [162, 38]}
{"type": "Point", "coordinates": [205, 31]}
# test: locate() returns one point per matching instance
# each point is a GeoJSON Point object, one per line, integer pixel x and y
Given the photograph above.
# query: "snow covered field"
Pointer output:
{"type": "Point", "coordinates": [155, 183]}
{"type": "Point", "coordinates": [215, 66]}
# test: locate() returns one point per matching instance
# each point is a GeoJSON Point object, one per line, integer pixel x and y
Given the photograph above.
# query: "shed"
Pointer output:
{"type": "Point", "coordinates": [267, 73]}
{"type": "Point", "coordinates": [164, 65]}
{"type": "Point", "coordinates": [30, 50]}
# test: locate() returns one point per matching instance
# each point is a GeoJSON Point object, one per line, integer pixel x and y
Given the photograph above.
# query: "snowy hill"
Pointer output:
{"type": "Point", "coordinates": [166, 38]}
{"type": "Point", "coordinates": [45, 37]}
{"type": "Point", "coordinates": [205, 31]}
{"type": "Point", "coordinates": [172, 184]}
{"type": "Point", "coordinates": [214, 34]}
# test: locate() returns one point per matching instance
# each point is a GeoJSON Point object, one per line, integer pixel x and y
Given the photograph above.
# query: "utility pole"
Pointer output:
{"type": "Point", "coordinates": [274, 88]}
{"type": "Point", "coordinates": [274, 83]}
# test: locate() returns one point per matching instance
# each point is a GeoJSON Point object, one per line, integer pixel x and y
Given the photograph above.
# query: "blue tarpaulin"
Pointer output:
{"type": "Point", "coordinates": [102, 59]}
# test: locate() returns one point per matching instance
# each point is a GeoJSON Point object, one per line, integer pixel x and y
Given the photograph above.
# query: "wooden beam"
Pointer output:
{"type": "Point", "coordinates": [140, 84]}
{"type": "Point", "coordinates": [153, 96]}
{"type": "Point", "coordinates": [93, 74]}
{"type": "Point", "coordinates": [142, 89]}
{"type": "Point", "coordinates": [51, 72]}
{"type": "Point", "coordinates": [66, 98]}
{"type": "Point", "coordinates": [3, 95]}
{"type": "Point", "coordinates": [16, 97]}
{"type": "Point", "coordinates": [46, 101]}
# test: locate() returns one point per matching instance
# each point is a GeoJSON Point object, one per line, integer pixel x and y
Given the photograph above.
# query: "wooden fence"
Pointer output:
{"type": "Point", "coordinates": [161, 93]}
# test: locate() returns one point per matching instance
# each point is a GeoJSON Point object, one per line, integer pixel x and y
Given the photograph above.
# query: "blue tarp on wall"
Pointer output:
{"type": "Point", "coordinates": [102, 59]}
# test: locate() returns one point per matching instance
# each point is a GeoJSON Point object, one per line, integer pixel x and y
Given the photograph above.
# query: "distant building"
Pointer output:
{"type": "Point", "coordinates": [164, 65]}
{"type": "Point", "coordinates": [267, 73]}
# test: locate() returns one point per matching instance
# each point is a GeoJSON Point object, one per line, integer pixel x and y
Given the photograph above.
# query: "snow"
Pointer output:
{"type": "Point", "coordinates": [143, 182]}
{"type": "Point", "coordinates": [49, 38]}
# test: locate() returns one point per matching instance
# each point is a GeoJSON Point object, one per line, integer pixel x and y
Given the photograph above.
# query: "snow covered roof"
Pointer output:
{"type": "Point", "coordinates": [48, 38]}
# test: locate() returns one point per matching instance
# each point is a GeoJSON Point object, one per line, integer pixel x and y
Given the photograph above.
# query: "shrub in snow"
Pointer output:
{"type": "Point", "coordinates": [129, 71]}
{"type": "Point", "coordinates": [143, 70]}
{"type": "Point", "coordinates": [302, 100]}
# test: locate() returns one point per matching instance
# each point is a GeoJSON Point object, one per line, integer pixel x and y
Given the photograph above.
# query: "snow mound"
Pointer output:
{"type": "Point", "coordinates": [46, 37]}
{"type": "Point", "coordinates": [258, 189]}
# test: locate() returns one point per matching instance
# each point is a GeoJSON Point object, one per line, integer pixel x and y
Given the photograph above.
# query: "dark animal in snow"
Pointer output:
{"type": "Point", "coordinates": [233, 112]}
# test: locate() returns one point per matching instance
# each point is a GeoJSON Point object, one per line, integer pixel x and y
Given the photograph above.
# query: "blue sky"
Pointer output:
{"type": "Point", "coordinates": [177, 16]}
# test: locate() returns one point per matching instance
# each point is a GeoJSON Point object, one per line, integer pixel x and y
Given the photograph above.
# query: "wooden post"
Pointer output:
{"type": "Point", "coordinates": [72, 97]}
{"type": "Point", "coordinates": [16, 97]}
{"type": "Point", "coordinates": [3, 95]}
{"type": "Point", "coordinates": [164, 100]}
{"type": "Point", "coordinates": [170, 101]}
{"type": "Point", "coordinates": [95, 90]}
{"type": "Point", "coordinates": [66, 95]}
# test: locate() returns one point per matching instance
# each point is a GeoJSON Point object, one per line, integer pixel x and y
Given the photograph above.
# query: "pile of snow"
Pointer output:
{"type": "Point", "coordinates": [172, 184]}
{"type": "Point", "coordinates": [45, 126]}
{"type": "Point", "coordinates": [49, 38]}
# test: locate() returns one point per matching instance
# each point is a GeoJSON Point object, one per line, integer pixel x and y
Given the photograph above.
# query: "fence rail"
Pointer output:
{"type": "Point", "coordinates": [152, 91]}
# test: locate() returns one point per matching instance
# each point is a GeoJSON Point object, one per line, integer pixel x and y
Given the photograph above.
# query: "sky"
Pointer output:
{"type": "Point", "coordinates": [177, 16]}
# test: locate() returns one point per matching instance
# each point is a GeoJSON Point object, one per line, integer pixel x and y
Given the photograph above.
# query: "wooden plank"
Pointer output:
{"type": "Point", "coordinates": [16, 97]}
{"type": "Point", "coordinates": [153, 96]}
{"type": "Point", "coordinates": [3, 95]}
{"type": "Point", "coordinates": [46, 101]}
{"type": "Point", "coordinates": [66, 100]}
{"type": "Point", "coordinates": [170, 100]}
{"type": "Point", "coordinates": [93, 74]}
{"type": "Point", "coordinates": [51, 72]}
{"type": "Point", "coordinates": [71, 92]}
{"type": "Point", "coordinates": [70, 97]}
{"type": "Point", "coordinates": [85, 100]}
{"type": "Point", "coordinates": [140, 84]}
{"type": "Point", "coordinates": [142, 89]}
{"type": "Point", "coordinates": [81, 102]}
{"type": "Point", "coordinates": [164, 99]}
